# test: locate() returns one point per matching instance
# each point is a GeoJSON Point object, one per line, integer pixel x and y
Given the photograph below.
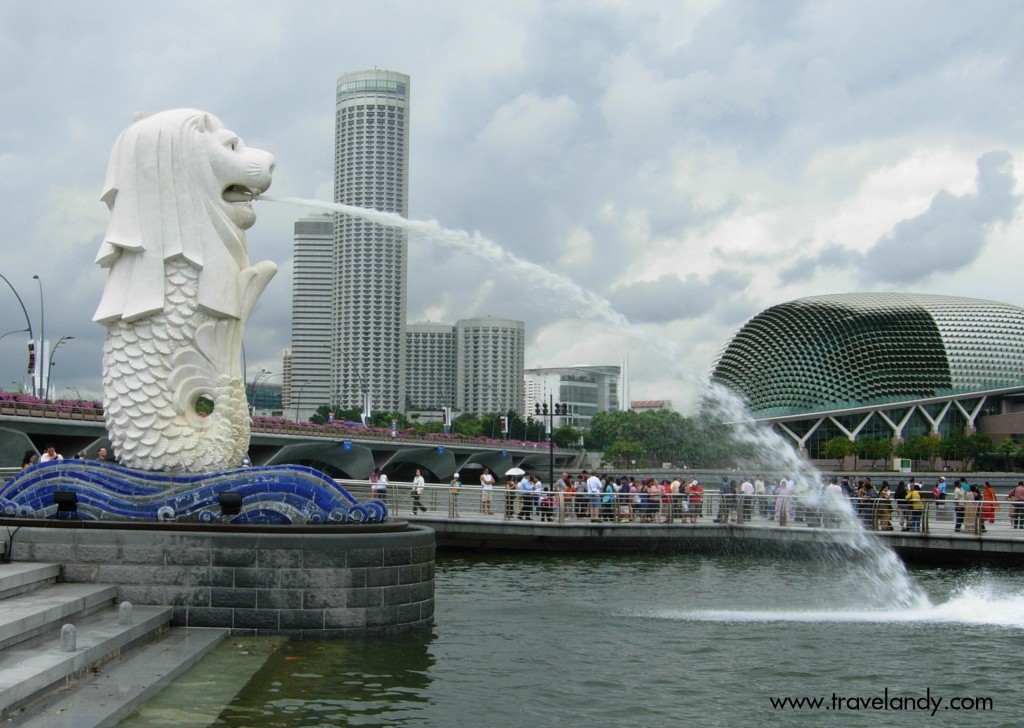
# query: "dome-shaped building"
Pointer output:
{"type": "Point", "coordinates": [850, 354]}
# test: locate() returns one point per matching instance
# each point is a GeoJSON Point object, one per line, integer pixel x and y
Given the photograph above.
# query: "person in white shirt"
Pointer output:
{"type": "Point", "coordinates": [486, 490]}
{"type": "Point", "coordinates": [594, 493]}
{"type": "Point", "coordinates": [760, 491]}
{"type": "Point", "coordinates": [417, 493]}
{"type": "Point", "coordinates": [50, 454]}
{"type": "Point", "coordinates": [745, 509]}
{"type": "Point", "coordinates": [379, 485]}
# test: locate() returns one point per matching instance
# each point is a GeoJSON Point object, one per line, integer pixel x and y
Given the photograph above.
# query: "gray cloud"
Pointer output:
{"type": "Point", "coordinates": [946, 237]}
{"type": "Point", "coordinates": [832, 256]}
{"type": "Point", "coordinates": [671, 298]}
{"type": "Point", "coordinates": [950, 234]}
{"type": "Point", "coordinates": [632, 126]}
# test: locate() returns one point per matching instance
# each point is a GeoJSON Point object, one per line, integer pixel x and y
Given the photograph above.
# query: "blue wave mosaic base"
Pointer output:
{"type": "Point", "coordinates": [275, 494]}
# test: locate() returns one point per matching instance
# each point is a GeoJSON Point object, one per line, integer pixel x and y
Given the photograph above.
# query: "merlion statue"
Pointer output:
{"type": "Point", "coordinates": [179, 291]}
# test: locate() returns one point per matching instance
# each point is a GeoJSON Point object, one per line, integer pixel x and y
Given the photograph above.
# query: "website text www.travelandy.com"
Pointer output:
{"type": "Point", "coordinates": [886, 701]}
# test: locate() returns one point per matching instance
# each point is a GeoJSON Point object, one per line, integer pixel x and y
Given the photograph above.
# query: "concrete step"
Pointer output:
{"type": "Point", "coordinates": [18, 578]}
{"type": "Point", "coordinates": [26, 615]}
{"type": "Point", "coordinates": [122, 685]}
{"type": "Point", "coordinates": [32, 668]}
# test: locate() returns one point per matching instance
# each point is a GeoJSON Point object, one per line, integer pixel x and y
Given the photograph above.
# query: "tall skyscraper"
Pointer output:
{"type": "Point", "coordinates": [430, 356]}
{"type": "Point", "coordinates": [489, 365]}
{"type": "Point", "coordinates": [309, 370]}
{"type": "Point", "coordinates": [371, 169]}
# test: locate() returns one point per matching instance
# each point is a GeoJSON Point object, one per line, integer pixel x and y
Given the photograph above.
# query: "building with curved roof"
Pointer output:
{"type": "Point", "coordinates": [892, 363]}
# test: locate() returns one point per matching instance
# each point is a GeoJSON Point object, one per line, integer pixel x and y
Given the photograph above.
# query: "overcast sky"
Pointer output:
{"type": "Point", "coordinates": [690, 162]}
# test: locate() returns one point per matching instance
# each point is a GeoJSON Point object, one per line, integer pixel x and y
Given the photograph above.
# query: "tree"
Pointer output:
{"type": "Point", "coordinates": [954, 447]}
{"type": "Point", "coordinates": [607, 428]}
{"type": "Point", "coordinates": [874, 449]}
{"type": "Point", "coordinates": [624, 454]}
{"type": "Point", "coordinates": [662, 435]}
{"type": "Point", "coordinates": [929, 447]}
{"type": "Point", "coordinates": [467, 424]}
{"type": "Point", "coordinates": [1009, 450]}
{"type": "Point", "coordinates": [839, 448]}
{"type": "Point", "coordinates": [325, 411]}
{"type": "Point", "coordinates": [707, 442]}
{"type": "Point", "coordinates": [976, 445]}
{"type": "Point", "coordinates": [924, 447]}
{"type": "Point", "coordinates": [566, 436]}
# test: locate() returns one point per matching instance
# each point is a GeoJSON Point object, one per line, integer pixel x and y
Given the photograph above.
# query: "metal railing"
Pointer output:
{"type": "Point", "coordinates": [815, 511]}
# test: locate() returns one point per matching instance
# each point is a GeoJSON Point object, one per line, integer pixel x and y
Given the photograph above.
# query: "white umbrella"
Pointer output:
{"type": "Point", "coordinates": [515, 471]}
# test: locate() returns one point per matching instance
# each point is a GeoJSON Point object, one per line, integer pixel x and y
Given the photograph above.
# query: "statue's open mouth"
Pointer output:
{"type": "Point", "coordinates": [237, 194]}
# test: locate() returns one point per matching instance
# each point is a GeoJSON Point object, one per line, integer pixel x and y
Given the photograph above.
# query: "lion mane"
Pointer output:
{"type": "Point", "coordinates": [165, 185]}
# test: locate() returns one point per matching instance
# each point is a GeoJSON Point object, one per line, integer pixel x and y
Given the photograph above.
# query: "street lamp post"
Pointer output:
{"type": "Point", "coordinates": [43, 384]}
{"type": "Point", "coordinates": [28, 321]}
{"type": "Point", "coordinates": [298, 399]}
{"type": "Point", "coordinates": [16, 331]}
{"type": "Point", "coordinates": [366, 413]}
{"type": "Point", "coordinates": [256, 391]}
{"type": "Point", "coordinates": [549, 413]}
{"type": "Point", "coordinates": [255, 382]}
{"type": "Point", "coordinates": [49, 364]}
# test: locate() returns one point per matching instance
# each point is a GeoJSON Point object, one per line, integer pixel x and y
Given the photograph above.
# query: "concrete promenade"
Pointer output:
{"type": "Point", "coordinates": [998, 545]}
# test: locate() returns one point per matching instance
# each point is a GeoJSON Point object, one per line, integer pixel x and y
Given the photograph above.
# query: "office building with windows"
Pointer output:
{"type": "Point", "coordinates": [490, 353]}
{"type": "Point", "coordinates": [309, 359]}
{"type": "Point", "coordinates": [583, 390]}
{"type": "Point", "coordinates": [368, 300]}
{"type": "Point", "coordinates": [430, 357]}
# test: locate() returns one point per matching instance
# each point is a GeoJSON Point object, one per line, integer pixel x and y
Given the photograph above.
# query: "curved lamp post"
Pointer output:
{"type": "Point", "coordinates": [28, 321]}
{"type": "Point", "coordinates": [298, 399]}
{"type": "Point", "coordinates": [255, 382]}
{"type": "Point", "coordinates": [16, 331]}
{"type": "Point", "coordinates": [256, 391]}
{"type": "Point", "coordinates": [44, 384]}
{"type": "Point", "coordinates": [49, 363]}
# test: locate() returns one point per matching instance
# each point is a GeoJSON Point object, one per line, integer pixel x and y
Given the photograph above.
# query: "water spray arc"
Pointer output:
{"type": "Point", "coordinates": [890, 583]}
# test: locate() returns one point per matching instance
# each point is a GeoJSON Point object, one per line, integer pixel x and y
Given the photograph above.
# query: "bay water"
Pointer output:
{"type": "Point", "coordinates": [645, 640]}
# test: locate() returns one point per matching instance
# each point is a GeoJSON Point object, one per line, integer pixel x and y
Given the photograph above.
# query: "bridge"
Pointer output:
{"type": "Point", "coordinates": [338, 449]}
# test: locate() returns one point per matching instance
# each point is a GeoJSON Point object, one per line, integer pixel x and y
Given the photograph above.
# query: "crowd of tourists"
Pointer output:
{"type": "Point", "coordinates": [626, 499]}
{"type": "Point", "coordinates": [972, 507]}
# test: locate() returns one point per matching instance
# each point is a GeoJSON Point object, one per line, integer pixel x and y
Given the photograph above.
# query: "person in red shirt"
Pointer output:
{"type": "Point", "coordinates": [695, 495]}
{"type": "Point", "coordinates": [989, 504]}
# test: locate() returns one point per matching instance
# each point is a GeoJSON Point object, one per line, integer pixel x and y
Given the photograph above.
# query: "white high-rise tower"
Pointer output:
{"type": "Point", "coordinates": [309, 365]}
{"type": "Point", "coordinates": [371, 169]}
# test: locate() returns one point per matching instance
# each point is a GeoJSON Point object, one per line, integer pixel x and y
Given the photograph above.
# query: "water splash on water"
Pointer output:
{"type": "Point", "coordinates": [975, 605]}
{"type": "Point", "coordinates": [889, 582]}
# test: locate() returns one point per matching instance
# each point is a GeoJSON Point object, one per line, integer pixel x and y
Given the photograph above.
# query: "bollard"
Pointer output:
{"type": "Point", "coordinates": [125, 614]}
{"type": "Point", "coordinates": [68, 634]}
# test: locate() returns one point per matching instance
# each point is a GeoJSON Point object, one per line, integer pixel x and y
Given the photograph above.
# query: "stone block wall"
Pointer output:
{"type": "Point", "coordinates": [316, 583]}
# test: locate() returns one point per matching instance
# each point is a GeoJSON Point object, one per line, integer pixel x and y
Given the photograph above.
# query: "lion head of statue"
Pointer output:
{"type": "Point", "coordinates": [179, 184]}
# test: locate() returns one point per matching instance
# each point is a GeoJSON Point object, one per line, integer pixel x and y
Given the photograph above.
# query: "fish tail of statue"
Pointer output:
{"type": "Point", "coordinates": [170, 400]}
{"type": "Point", "coordinates": [178, 187]}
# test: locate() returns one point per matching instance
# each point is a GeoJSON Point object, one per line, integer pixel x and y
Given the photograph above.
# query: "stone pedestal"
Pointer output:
{"type": "Point", "coordinates": [306, 582]}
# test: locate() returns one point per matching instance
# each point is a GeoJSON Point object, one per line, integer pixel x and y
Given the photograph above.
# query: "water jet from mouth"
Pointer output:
{"type": "Point", "coordinates": [885, 579]}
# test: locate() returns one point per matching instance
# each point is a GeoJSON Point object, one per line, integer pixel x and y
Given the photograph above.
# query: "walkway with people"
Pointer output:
{"type": "Point", "coordinates": [713, 509]}
{"type": "Point", "coordinates": [719, 523]}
